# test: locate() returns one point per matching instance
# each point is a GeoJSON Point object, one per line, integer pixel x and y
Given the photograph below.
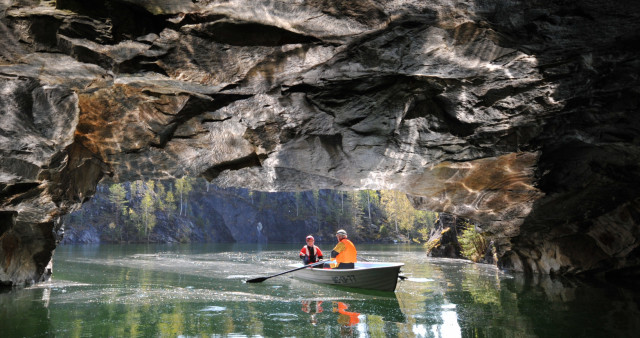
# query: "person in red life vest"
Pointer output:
{"type": "Point", "coordinates": [344, 252]}
{"type": "Point", "coordinates": [306, 307]}
{"type": "Point", "coordinates": [310, 253]}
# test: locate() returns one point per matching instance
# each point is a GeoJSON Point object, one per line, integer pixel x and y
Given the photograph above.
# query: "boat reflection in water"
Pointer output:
{"type": "Point", "coordinates": [312, 308]}
{"type": "Point", "coordinates": [345, 317]}
{"type": "Point", "coordinates": [361, 315]}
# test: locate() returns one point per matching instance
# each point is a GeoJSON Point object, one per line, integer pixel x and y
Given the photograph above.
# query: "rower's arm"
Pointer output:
{"type": "Point", "coordinates": [337, 250]}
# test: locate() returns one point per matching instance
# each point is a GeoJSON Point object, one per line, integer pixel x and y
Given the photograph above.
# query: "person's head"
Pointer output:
{"type": "Point", "coordinates": [341, 234]}
{"type": "Point", "coordinates": [310, 240]}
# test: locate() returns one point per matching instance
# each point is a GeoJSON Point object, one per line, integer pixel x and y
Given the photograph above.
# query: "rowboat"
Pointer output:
{"type": "Point", "coordinates": [381, 276]}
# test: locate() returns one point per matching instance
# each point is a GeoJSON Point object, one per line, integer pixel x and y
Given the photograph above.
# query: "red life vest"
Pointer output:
{"type": "Point", "coordinates": [313, 256]}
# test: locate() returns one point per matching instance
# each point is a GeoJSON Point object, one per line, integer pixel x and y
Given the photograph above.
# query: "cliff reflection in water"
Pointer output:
{"type": "Point", "coordinates": [198, 290]}
{"type": "Point", "coordinates": [479, 300]}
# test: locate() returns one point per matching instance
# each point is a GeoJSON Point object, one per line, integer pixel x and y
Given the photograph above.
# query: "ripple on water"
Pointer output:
{"type": "Point", "coordinates": [214, 309]}
{"type": "Point", "coordinates": [56, 284]}
{"type": "Point", "coordinates": [283, 317]}
{"type": "Point", "coordinates": [239, 276]}
{"type": "Point", "coordinates": [150, 295]}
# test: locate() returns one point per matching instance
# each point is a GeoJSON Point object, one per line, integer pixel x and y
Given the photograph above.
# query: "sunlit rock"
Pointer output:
{"type": "Point", "coordinates": [520, 116]}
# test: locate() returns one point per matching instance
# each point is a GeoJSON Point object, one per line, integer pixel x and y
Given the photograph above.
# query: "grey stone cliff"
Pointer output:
{"type": "Point", "coordinates": [520, 115]}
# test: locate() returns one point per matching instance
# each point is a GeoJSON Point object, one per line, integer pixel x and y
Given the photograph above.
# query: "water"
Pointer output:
{"type": "Point", "coordinates": [198, 290]}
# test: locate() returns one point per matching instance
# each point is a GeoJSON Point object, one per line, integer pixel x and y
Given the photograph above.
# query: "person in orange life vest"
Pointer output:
{"type": "Point", "coordinates": [344, 252]}
{"type": "Point", "coordinates": [310, 253]}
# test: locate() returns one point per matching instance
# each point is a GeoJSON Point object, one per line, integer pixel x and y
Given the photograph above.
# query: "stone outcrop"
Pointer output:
{"type": "Point", "coordinates": [522, 116]}
{"type": "Point", "coordinates": [443, 240]}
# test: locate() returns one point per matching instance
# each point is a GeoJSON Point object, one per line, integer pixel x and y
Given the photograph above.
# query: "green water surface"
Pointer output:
{"type": "Point", "coordinates": [199, 290]}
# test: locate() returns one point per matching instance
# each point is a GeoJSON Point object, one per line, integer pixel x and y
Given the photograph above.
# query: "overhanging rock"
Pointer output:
{"type": "Point", "coordinates": [521, 116]}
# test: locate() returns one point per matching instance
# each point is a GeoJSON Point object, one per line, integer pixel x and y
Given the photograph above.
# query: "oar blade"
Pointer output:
{"type": "Point", "coordinates": [256, 280]}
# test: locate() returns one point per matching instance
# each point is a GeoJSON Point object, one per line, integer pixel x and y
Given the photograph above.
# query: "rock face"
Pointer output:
{"type": "Point", "coordinates": [443, 241]}
{"type": "Point", "coordinates": [522, 116]}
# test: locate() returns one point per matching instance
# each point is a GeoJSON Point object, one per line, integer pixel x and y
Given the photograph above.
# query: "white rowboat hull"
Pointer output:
{"type": "Point", "coordinates": [366, 275]}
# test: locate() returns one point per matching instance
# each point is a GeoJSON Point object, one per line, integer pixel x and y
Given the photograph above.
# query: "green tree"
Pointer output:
{"type": "Point", "coordinates": [472, 243]}
{"type": "Point", "coordinates": [149, 185]}
{"type": "Point", "coordinates": [425, 222]}
{"type": "Point", "coordinates": [147, 210]}
{"type": "Point", "coordinates": [355, 212]}
{"type": "Point", "coordinates": [160, 196]}
{"type": "Point", "coordinates": [384, 231]}
{"type": "Point", "coordinates": [389, 203]}
{"type": "Point", "coordinates": [399, 209]}
{"type": "Point", "coordinates": [372, 198]}
{"type": "Point", "coordinates": [118, 196]}
{"type": "Point", "coordinates": [133, 220]}
{"type": "Point", "coordinates": [183, 187]}
{"type": "Point", "coordinates": [169, 202]}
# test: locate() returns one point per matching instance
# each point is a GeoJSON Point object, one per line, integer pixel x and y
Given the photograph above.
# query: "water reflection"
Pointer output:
{"type": "Point", "coordinates": [370, 317]}
{"type": "Point", "coordinates": [346, 318]}
{"type": "Point", "coordinates": [18, 302]}
{"type": "Point", "coordinates": [307, 305]}
{"type": "Point", "coordinates": [193, 291]}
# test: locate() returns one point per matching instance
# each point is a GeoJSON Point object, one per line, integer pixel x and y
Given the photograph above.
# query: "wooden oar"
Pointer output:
{"type": "Point", "coordinates": [262, 279]}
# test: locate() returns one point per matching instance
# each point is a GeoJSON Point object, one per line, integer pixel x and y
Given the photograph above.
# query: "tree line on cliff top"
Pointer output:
{"type": "Point", "coordinates": [129, 212]}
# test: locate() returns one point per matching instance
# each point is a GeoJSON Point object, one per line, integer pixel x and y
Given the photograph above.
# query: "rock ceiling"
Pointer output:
{"type": "Point", "coordinates": [520, 115]}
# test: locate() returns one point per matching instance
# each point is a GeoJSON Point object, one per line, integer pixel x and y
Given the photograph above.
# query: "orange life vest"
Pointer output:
{"type": "Point", "coordinates": [346, 252]}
